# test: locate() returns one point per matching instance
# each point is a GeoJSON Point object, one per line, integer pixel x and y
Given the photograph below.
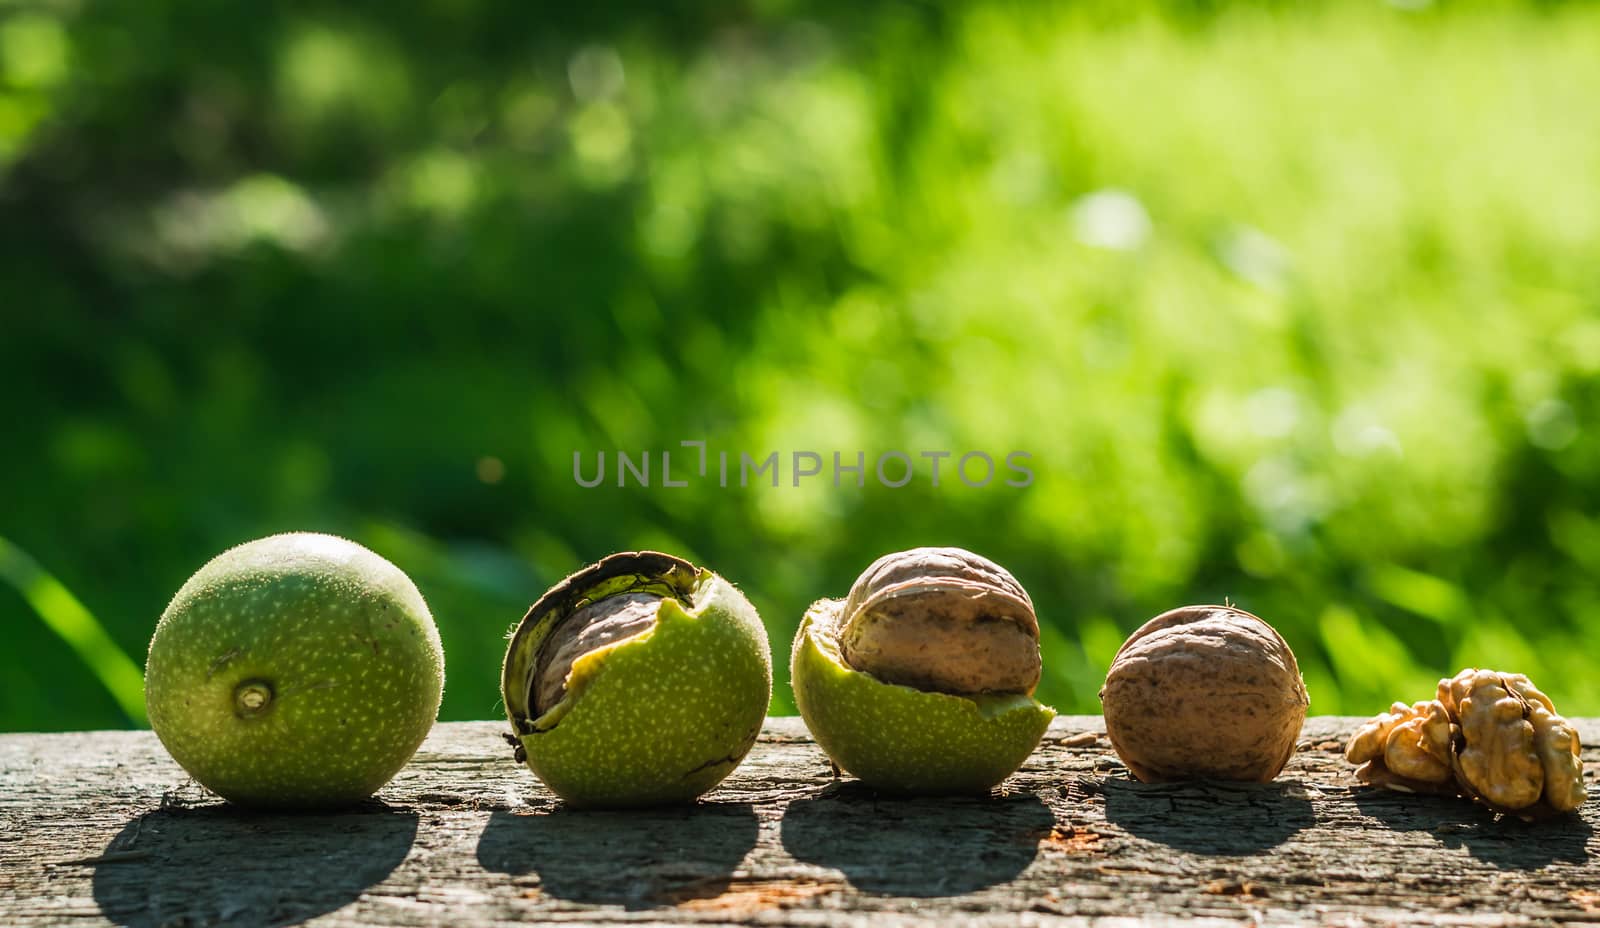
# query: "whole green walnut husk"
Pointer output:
{"type": "Point", "coordinates": [640, 680]}
{"type": "Point", "coordinates": [298, 671]}
{"type": "Point", "coordinates": [922, 679]}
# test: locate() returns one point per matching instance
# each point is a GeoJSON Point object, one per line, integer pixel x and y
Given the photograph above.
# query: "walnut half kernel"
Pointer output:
{"type": "Point", "coordinates": [1490, 736]}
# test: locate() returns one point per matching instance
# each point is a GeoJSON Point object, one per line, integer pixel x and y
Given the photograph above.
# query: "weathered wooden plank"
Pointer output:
{"type": "Point", "coordinates": [102, 827]}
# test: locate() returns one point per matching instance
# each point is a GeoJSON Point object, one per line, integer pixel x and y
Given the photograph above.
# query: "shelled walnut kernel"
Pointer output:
{"type": "Point", "coordinates": [1489, 736]}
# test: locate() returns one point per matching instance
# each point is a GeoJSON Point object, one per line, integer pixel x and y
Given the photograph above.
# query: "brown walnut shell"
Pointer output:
{"type": "Point", "coordinates": [943, 620]}
{"type": "Point", "coordinates": [1204, 692]}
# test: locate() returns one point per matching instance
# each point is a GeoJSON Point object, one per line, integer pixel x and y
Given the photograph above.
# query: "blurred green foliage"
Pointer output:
{"type": "Point", "coordinates": [1296, 305]}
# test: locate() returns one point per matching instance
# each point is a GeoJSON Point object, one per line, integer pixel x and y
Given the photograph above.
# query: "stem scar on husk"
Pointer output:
{"type": "Point", "coordinates": [252, 698]}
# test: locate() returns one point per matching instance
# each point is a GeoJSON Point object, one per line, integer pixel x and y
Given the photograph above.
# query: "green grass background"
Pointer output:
{"type": "Point", "coordinates": [1297, 305]}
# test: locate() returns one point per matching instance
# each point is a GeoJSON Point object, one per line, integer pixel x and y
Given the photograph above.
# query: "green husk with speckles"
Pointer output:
{"type": "Point", "coordinates": [900, 739]}
{"type": "Point", "coordinates": [656, 718]}
{"type": "Point", "coordinates": [298, 671]}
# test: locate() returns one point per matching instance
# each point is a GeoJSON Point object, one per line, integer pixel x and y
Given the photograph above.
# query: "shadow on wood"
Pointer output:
{"type": "Point", "coordinates": [916, 847]}
{"type": "Point", "coordinates": [1507, 842]}
{"type": "Point", "coordinates": [637, 858]}
{"type": "Point", "coordinates": [1209, 817]}
{"type": "Point", "coordinates": [222, 865]}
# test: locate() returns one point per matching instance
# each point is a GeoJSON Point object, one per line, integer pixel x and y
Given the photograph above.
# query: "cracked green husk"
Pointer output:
{"type": "Point", "coordinates": [659, 717]}
{"type": "Point", "coordinates": [905, 740]}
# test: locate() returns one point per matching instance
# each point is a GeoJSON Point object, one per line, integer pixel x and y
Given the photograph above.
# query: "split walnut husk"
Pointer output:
{"type": "Point", "coordinates": [1489, 736]}
{"type": "Point", "coordinates": [921, 680]}
{"type": "Point", "coordinates": [640, 680]}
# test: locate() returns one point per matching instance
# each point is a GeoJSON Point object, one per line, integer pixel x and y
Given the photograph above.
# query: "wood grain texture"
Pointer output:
{"type": "Point", "coordinates": [102, 828]}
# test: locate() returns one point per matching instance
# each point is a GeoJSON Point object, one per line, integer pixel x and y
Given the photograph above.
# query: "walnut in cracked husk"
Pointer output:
{"type": "Point", "coordinates": [1486, 735]}
{"type": "Point", "coordinates": [922, 679]}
